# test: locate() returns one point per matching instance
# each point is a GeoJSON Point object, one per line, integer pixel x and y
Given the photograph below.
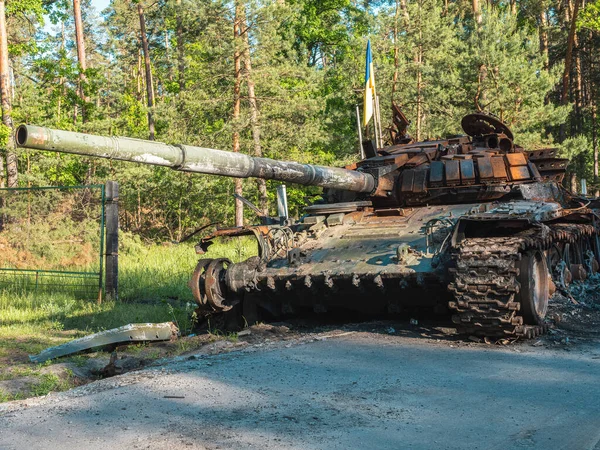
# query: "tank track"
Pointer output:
{"type": "Point", "coordinates": [484, 280]}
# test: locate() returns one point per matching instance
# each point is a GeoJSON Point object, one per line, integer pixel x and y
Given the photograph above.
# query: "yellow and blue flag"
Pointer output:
{"type": "Point", "coordinates": [369, 87]}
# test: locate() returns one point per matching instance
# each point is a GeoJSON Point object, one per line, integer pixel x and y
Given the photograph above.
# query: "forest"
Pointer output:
{"type": "Point", "coordinates": [283, 78]}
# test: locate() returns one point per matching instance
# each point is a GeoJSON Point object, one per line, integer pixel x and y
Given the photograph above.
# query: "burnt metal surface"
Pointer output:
{"type": "Point", "coordinates": [479, 124]}
{"type": "Point", "coordinates": [135, 332]}
{"type": "Point", "coordinates": [487, 278]}
{"type": "Point", "coordinates": [468, 224]}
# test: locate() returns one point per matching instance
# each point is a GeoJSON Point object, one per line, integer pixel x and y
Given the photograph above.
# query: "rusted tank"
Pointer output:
{"type": "Point", "coordinates": [474, 225]}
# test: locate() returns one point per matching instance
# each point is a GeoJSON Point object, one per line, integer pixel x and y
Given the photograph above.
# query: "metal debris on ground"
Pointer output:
{"type": "Point", "coordinates": [134, 332]}
{"type": "Point", "coordinates": [582, 317]}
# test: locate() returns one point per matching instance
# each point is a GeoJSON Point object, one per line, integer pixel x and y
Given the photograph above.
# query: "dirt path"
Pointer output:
{"type": "Point", "coordinates": [357, 390]}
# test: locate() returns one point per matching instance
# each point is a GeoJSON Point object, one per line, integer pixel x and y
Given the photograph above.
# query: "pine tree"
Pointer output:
{"type": "Point", "coordinates": [515, 84]}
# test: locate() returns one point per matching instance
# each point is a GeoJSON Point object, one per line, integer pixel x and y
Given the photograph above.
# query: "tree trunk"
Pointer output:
{"type": "Point", "coordinates": [180, 47]}
{"type": "Point", "coordinates": [11, 157]}
{"type": "Point", "coordinates": [149, 84]}
{"type": "Point", "coordinates": [139, 77]}
{"type": "Point", "coordinates": [544, 34]}
{"type": "Point", "coordinates": [595, 140]}
{"type": "Point", "coordinates": [237, 56]}
{"type": "Point", "coordinates": [595, 146]}
{"type": "Point", "coordinates": [477, 12]}
{"type": "Point", "coordinates": [419, 63]}
{"type": "Point", "coordinates": [564, 98]}
{"type": "Point", "coordinates": [79, 40]}
{"type": "Point", "coordinates": [419, 99]}
{"type": "Point", "coordinates": [396, 50]}
{"type": "Point", "coordinates": [578, 88]}
{"type": "Point", "coordinates": [254, 114]}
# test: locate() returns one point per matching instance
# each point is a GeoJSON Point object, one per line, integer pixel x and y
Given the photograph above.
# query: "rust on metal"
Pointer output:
{"type": "Point", "coordinates": [518, 173]}
{"type": "Point", "coordinates": [499, 168]}
{"type": "Point", "coordinates": [516, 159]}
{"type": "Point", "coordinates": [452, 172]}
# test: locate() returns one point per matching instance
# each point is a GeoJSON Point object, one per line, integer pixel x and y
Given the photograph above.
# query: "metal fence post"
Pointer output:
{"type": "Point", "coordinates": [112, 240]}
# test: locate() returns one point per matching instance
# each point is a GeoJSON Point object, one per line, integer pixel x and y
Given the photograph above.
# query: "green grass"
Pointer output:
{"type": "Point", "coordinates": [152, 288]}
{"type": "Point", "coordinates": [50, 382]}
{"type": "Point", "coordinates": [163, 271]}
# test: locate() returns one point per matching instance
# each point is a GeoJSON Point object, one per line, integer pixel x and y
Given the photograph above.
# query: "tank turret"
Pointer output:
{"type": "Point", "coordinates": [484, 165]}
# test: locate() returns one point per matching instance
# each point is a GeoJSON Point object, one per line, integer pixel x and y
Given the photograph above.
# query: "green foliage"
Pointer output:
{"type": "Point", "coordinates": [26, 15]}
{"type": "Point", "coordinates": [589, 17]}
{"type": "Point", "coordinates": [574, 146]}
{"type": "Point", "coordinates": [4, 134]}
{"type": "Point", "coordinates": [506, 76]}
{"type": "Point", "coordinates": [49, 382]}
{"type": "Point", "coordinates": [307, 66]}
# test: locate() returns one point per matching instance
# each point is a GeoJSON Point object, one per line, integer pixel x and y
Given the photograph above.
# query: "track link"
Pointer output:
{"type": "Point", "coordinates": [484, 280]}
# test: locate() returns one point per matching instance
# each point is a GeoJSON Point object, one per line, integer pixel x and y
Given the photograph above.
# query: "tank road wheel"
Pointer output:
{"type": "Point", "coordinates": [214, 284]}
{"type": "Point", "coordinates": [573, 256]}
{"type": "Point", "coordinates": [553, 257]}
{"type": "Point", "coordinates": [588, 250]}
{"type": "Point", "coordinates": [196, 283]}
{"type": "Point", "coordinates": [534, 291]}
{"type": "Point", "coordinates": [558, 267]}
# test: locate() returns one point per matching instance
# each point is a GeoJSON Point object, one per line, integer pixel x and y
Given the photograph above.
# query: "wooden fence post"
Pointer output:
{"type": "Point", "coordinates": [112, 240]}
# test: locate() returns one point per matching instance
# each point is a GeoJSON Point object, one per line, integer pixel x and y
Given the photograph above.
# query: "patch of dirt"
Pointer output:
{"type": "Point", "coordinates": [18, 386]}
{"type": "Point", "coordinates": [14, 357]}
{"type": "Point", "coordinates": [264, 332]}
{"type": "Point", "coordinates": [83, 372]}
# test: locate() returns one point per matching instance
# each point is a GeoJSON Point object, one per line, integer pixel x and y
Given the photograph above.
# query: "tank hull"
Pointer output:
{"type": "Point", "coordinates": [461, 259]}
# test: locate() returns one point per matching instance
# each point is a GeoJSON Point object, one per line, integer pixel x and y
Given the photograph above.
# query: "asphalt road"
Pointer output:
{"type": "Point", "coordinates": [359, 391]}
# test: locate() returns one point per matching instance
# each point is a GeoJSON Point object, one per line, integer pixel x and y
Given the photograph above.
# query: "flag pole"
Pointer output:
{"type": "Point", "coordinates": [362, 150]}
{"type": "Point", "coordinates": [378, 114]}
{"type": "Point", "coordinates": [375, 126]}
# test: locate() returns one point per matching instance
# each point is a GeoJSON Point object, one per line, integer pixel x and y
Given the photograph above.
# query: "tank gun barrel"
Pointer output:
{"type": "Point", "coordinates": [188, 158]}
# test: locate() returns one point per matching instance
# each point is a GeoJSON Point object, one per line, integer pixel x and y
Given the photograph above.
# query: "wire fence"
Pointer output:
{"type": "Point", "coordinates": [52, 239]}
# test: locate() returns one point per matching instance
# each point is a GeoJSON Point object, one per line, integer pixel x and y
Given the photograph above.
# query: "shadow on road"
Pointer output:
{"type": "Point", "coordinates": [363, 391]}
